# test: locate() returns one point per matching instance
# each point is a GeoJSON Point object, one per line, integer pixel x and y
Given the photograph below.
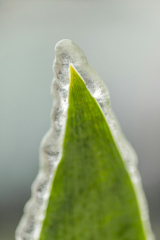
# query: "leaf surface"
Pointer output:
{"type": "Point", "coordinates": [92, 197]}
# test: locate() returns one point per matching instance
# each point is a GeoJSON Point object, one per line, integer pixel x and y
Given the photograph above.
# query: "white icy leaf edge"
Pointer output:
{"type": "Point", "coordinates": [68, 53]}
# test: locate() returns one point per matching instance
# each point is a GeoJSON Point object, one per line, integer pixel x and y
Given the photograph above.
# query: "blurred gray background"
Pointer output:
{"type": "Point", "coordinates": [121, 40]}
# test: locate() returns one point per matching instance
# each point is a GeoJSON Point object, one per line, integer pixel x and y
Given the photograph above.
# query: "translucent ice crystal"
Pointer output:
{"type": "Point", "coordinates": [68, 53]}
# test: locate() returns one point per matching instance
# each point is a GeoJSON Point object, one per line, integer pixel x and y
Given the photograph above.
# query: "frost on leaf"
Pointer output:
{"type": "Point", "coordinates": [88, 185]}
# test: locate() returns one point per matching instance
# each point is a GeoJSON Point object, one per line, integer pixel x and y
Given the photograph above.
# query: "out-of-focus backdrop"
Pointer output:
{"type": "Point", "coordinates": [121, 40]}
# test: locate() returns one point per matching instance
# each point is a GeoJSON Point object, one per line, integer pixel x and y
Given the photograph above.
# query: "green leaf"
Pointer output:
{"type": "Point", "coordinates": [88, 186]}
{"type": "Point", "coordinates": [92, 196]}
